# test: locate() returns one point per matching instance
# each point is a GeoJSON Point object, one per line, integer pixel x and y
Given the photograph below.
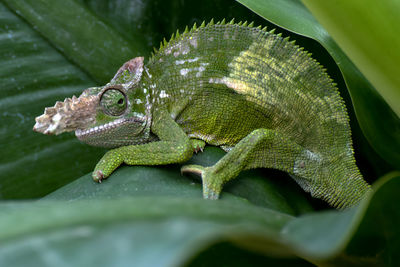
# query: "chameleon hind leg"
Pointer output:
{"type": "Point", "coordinates": [261, 148]}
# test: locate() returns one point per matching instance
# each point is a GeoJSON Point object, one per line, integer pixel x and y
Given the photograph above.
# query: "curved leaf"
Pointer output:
{"type": "Point", "coordinates": [366, 235]}
{"type": "Point", "coordinates": [121, 231]}
{"type": "Point", "coordinates": [372, 41]}
{"type": "Point", "coordinates": [370, 108]}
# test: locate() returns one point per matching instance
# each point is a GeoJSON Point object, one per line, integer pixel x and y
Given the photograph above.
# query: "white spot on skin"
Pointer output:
{"type": "Point", "coordinates": [51, 128]}
{"type": "Point", "coordinates": [193, 42]}
{"type": "Point", "coordinates": [56, 118]}
{"type": "Point", "coordinates": [180, 62]}
{"type": "Point", "coordinates": [313, 156]}
{"type": "Point", "coordinates": [185, 50]}
{"type": "Point", "coordinates": [184, 72]}
{"type": "Point", "coordinates": [168, 50]}
{"type": "Point", "coordinates": [181, 49]}
{"type": "Point", "coordinates": [163, 94]}
{"type": "Point", "coordinates": [147, 72]}
{"type": "Point", "coordinates": [201, 69]}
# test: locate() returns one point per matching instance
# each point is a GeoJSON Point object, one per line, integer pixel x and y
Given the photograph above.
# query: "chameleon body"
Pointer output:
{"type": "Point", "coordinates": [257, 95]}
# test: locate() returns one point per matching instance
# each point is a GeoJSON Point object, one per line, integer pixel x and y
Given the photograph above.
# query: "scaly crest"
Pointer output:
{"type": "Point", "coordinates": [176, 37]}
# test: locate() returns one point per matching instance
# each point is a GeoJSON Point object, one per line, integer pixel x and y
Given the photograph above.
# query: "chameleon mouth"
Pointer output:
{"type": "Point", "coordinates": [82, 133]}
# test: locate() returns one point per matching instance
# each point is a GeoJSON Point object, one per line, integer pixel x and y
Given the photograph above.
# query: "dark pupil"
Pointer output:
{"type": "Point", "coordinates": [120, 101]}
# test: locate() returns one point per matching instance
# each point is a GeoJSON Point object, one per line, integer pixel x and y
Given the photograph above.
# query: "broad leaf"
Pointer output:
{"type": "Point", "coordinates": [371, 41]}
{"type": "Point", "coordinates": [128, 230]}
{"type": "Point", "coordinates": [34, 75]}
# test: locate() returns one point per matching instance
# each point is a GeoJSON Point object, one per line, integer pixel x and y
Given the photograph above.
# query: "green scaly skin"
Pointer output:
{"type": "Point", "coordinates": [255, 94]}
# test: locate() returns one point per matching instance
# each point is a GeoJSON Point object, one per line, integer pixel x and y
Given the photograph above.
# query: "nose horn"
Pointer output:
{"type": "Point", "coordinates": [72, 114]}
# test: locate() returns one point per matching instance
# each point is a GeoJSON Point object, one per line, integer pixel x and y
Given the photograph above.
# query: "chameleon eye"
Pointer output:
{"type": "Point", "coordinates": [113, 102]}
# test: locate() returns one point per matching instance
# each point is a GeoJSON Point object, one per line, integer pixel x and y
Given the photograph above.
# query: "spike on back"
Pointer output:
{"type": "Point", "coordinates": [178, 36]}
{"type": "Point", "coordinates": [172, 37]}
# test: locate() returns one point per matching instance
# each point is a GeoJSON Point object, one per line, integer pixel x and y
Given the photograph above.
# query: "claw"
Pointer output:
{"type": "Point", "coordinates": [197, 149]}
{"type": "Point", "coordinates": [98, 176]}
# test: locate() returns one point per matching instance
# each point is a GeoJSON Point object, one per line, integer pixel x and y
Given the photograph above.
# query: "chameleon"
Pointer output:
{"type": "Point", "coordinates": [259, 96]}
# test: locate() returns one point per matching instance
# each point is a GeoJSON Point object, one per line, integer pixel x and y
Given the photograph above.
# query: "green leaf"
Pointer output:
{"type": "Point", "coordinates": [118, 232]}
{"type": "Point", "coordinates": [85, 39]}
{"type": "Point", "coordinates": [371, 42]}
{"type": "Point", "coordinates": [124, 230]}
{"type": "Point", "coordinates": [34, 75]}
{"type": "Point", "coordinates": [367, 235]}
{"type": "Point", "coordinates": [379, 123]}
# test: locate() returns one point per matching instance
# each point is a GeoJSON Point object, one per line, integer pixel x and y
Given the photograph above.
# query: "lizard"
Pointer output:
{"type": "Point", "coordinates": [257, 95]}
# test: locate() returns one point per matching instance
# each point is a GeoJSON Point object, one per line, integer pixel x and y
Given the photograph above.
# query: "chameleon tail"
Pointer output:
{"type": "Point", "coordinates": [344, 190]}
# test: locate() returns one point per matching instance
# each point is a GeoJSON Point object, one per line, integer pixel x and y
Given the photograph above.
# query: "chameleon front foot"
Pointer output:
{"type": "Point", "coordinates": [98, 176]}
{"type": "Point", "coordinates": [198, 145]}
{"type": "Point", "coordinates": [212, 187]}
{"type": "Point", "coordinates": [107, 165]}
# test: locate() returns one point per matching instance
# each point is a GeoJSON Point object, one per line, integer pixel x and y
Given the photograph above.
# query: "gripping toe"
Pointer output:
{"type": "Point", "coordinates": [193, 169]}
{"type": "Point", "coordinates": [212, 186]}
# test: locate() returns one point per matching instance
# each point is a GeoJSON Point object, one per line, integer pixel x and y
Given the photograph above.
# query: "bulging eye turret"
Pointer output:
{"type": "Point", "coordinates": [113, 102]}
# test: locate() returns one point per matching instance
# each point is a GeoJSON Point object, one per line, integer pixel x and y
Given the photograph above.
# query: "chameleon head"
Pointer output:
{"type": "Point", "coordinates": [110, 116]}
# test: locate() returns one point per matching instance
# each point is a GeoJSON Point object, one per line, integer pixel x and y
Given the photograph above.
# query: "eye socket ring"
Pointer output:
{"type": "Point", "coordinates": [113, 102]}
